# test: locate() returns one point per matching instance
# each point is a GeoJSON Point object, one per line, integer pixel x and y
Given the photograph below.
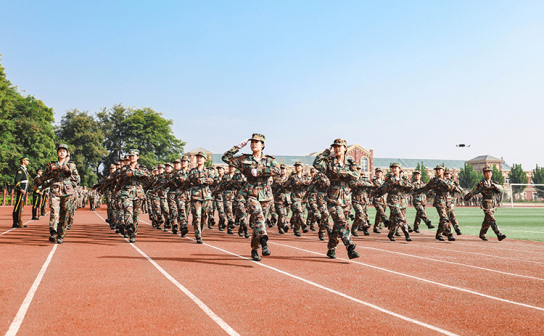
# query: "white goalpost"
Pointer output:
{"type": "Point", "coordinates": [520, 184]}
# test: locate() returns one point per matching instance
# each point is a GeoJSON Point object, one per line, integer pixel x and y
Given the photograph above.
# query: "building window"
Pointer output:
{"type": "Point", "coordinates": [364, 164]}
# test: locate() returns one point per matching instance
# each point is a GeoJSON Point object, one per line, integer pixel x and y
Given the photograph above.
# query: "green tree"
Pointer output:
{"type": "Point", "coordinates": [81, 132]}
{"type": "Point", "coordinates": [538, 178]}
{"type": "Point", "coordinates": [208, 163]}
{"type": "Point", "coordinates": [143, 129]}
{"type": "Point", "coordinates": [26, 128]}
{"type": "Point", "coordinates": [497, 175]}
{"type": "Point", "coordinates": [424, 174]}
{"type": "Point", "coordinates": [468, 178]}
{"type": "Point", "coordinates": [517, 175]}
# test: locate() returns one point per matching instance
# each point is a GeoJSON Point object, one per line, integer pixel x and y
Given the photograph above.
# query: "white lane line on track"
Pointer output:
{"type": "Point", "coordinates": [423, 324]}
{"type": "Point", "coordinates": [228, 329]}
{"type": "Point", "coordinates": [3, 233]}
{"type": "Point", "coordinates": [422, 279]}
{"type": "Point", "coordinates": [479, 254]}
{"type": "Point", "coordinates": [453, 263]}
{"type": "Point", "coordinates": [16, 324]}
{"type": "Point", "coordinates": [501, 248]}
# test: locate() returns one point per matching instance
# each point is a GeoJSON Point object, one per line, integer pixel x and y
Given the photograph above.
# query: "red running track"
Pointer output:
{"type": "Point", "coordinates": [97, 283]}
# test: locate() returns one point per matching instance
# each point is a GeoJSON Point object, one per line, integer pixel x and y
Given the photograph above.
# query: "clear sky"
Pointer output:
{"type": "Point", "coordinates": [409, 79]}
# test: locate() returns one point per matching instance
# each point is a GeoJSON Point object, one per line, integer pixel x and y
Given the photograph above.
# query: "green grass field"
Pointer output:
{"type": "Point", "coordinates": [515, 223]}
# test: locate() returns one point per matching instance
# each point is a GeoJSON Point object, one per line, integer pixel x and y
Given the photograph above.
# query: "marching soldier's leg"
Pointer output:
{"type": "Point", "coordinates": [54, 214]}
{"type": "Point", "coordinates": [258, 211]}
{"type": "Point", "coordinates": [197, 218]}
{"type": "Point", "coordinates": [64, 213]}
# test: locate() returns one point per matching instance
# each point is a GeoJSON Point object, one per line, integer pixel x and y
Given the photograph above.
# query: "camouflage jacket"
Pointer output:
{"type": "Point", "coordinates": [360, 188]}
{"type": "Point", "coordinates": [200, 181]}
{"type": "Point", "coordinates": [133, 185]}
{"type": "Point", "coordinates": [440, 187]}
{"type": "Point", "coordinates": [339, 176]}
{"type": "Point", "coordinates": [395, 187]}
{"type": "Point", "coordinates": [63, 178]}
{"type": "Point", "coordinates": [489, 190]}
{"type": "Point", "coordinates": [318, 187]}
{"type": "Point", "coordinates": [377, 184]}
{"type": "Point", "coordinates": [256, 186]}
{"type": "Point", "coordinates": [298, 185]}
{"type": "Point", "coordinates": [450, 198]}
{"type": "Point", "coordinates": [228, 187]}
{"type": "Point", "coordinates": [278, 190]}
{"type": "Point", "coordinates": [419, 198]}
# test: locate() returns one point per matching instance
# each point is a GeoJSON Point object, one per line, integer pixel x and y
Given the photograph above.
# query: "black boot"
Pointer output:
{"type": "Point", "coordinates": [184, 230]}
{"type": "Point", "coordinates": [53, 236]}
{"type": "Point", "coordinates": [365, 231]}
{"type": "Point", "coordinates": [246, 234]}
{"type": "Point", "coordinates": [501, 236]}
{"type": "Point", "coordinates": [351, 252]}
{"type": "Point", "coordinates": [429, 225]}
{"type": "Point", "coordinates": [331, 254]}
{"type": "Point", "coordinates": [255, 255]}
{"type": "Point", "coordinates": [241, 231]}
{"type": "Point", "coordinates": [439, 236]}
{"type": "Point", "coordinates": [265, 250]}
{"type": "Point", "coordinates": [175, 229]}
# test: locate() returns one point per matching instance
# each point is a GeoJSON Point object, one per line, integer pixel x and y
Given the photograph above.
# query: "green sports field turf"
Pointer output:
{"type": "Point", "coordinates": [515, 223]}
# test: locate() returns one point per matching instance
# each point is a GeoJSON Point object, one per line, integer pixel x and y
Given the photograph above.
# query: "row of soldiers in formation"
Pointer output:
{"type": "Point", "coordinates": [256, 193]}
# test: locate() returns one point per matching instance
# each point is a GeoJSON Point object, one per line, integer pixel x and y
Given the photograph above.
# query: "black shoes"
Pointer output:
{"type": "Point", "coordinates": [351, 252]}
{"type": "Point", "coordinates": [266, 250]}
{"type": "Point", "coordinates": [458, 231]}
{"type": "Point", "coordinates": [501, 237]}
{"type": "Point", "coordinates": [451, 238]}
{"type": "Point", "coordinates": [59, 240]}
{"type": "Point", "coordinates": [365, 232]}
{"type": "Point", "coordinates": [354, 233]}
{"type": "Point", "coordinates": [331, 254]}
{"type": "Point", "coordinates": [132, 239]}
{"type": "Point", "coordinates": [484, 238]}
{"type": "Point", "coordinates": [439, 237]}
{"type": "Point", "coordinates": [391, 238]}
{"type": "Point", "coordinates": [255, 255]}
{"type": "Point", "coordinates": [199, 240]}
{"type": "Point", "coordinates": [321, 236]}
{"type": "Point", "coordinates": [297, 233]}
{"type": "Point", "coordinates": [184, 230]}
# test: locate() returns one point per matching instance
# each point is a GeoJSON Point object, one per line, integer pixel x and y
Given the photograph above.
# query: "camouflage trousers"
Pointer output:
{"type": "Point", "coordinates": [164, 209]}
{"type": "Point", "coordinates": [444, 226]}
{"type": "Point", "coordinates": [71, 213]}
{"type": "Point", "coordinates": [258, 212]}
{"type": "Point", "coordinates": [60, 210]}
{"type": "Point", "coordinates": [361, 216]}
{"type": "Point", "coordinates": [227, 207]}
{"type": "Point", "coordinates": [156, 205]}
{"type": "Point", "coordinates": [181, 212]}
{"type": "Point", "coordinates": [297, 215]}
{"type": "Point", "coordinates": [219, 205]}
{"type": "Point", "coordinates": [340, 230]}
{"type": "Point", "coordinates": [314, 214]}
{"type": "Point", "coordinates": [450, 210]}
{"type": "Point", "coordinates": [489, 220]}
{"type": "Point", "coordinates": [381, 217]}
{"type": "Point", "coordinates": [398, 219]}
{"type": "Point", "coordinates": [200, 211]}
{"type": "Point", "coordinates": [281, 212]}
{"type": "Point", "coordinates": [131, 213]}
{"type": "Point", "coordinates": [172, 209]}
{"type": "Point", "coordinates": [421, 214]}
{"type": "Point", "coordinates": [239, 206]}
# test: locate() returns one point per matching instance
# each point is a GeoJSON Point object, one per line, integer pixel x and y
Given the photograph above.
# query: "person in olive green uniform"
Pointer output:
{"type": "Point", "coordinates": [419, 202]}
{"type": "Point", "coordinates": [379, 203]}
{"type": "Point", "coordinates": [450, 201]}
{"type": "Point", "coordinates": [21, 188]}
{"type": "Point", "coordinates": [335, 166]}
{"type": "Point", "coordinates": [64, 178]}
{"type": "Point", "coordinates": [257, 168]}
{"type": "Point", "coordinates": [36, 198]}
{"type": "Point", "coordinates": [298, 185]}
{"type": "Point", "coordinates": [281, 200]}
{"type": "Point", "coordinates": [200, 180]}
{"type": "Point", "coordinates": [489, 190]}
{"type": "Point", "coordinates": [359, 190]}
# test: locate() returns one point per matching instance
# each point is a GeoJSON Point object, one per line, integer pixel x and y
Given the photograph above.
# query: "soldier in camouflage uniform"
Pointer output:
{"type": "Point", "coordinates": [489, 190]}
{"type": "Point", "coordinates": [182, 199]}
{"type": "Point", "coordinates": [201, 180]}
{"type": "Point", "coordinates": [228, 188]}
{"type": "Point", "coordinates": [172, 196]}
{"type": "Point", "coordinates": [64, 178]}
{"type": "Point", "coordinates": [440, 186]}
{"type": "Point", "coordinates": [298, 185]}
{"type": "Point", "coordinates": [257, 168]}
{"type": "Point", "coordinates": [281, 200]}
{"type": "Point", "coordinates": [133, 177]}
{"type": "Point", "coordinates": [316, 200]}
{"type": "Point", "coordinates": [419, 202]}
{"type": "Point", "coordinates": [450, 202]}
{"type": "Point", "coordinates": [334, 165]}
{"type": "Point", "coordinates": [379, 202]}
{"type": "Point", "coordinates": [394, 186]}
{"type": "Point", "coordinates": [36, 197]}
{"type": "Point", "coordinates": [218, 202]}
{"type": "Point", "coordinates": [151, 197]}
{"type": "Point", "coordinates": [163, 193]}
{"type": "Point", "coordinates": [359, 189]}
{"type": "Point", "coordinates": [239, 204]}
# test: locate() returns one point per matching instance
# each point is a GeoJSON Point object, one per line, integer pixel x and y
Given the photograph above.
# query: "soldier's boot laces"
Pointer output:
{"type": "Point", "coordinates": [352, 254]}
{"type": "Point", "coordinates": [331, 254]}
{"type": "Point", "coordinates": [255, 255]}
{"type": "Point", "coordinates": [265, 250]}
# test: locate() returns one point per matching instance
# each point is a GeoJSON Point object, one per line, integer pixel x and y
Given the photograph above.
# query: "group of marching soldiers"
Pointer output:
{"type": "Point", "coordinates": [169, 192]}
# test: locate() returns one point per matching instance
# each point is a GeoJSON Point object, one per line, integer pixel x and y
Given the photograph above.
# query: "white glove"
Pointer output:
{"type": "Point", "coordinates": [242, 143]}
{"type": "Point", "coordinates": [254, 172]}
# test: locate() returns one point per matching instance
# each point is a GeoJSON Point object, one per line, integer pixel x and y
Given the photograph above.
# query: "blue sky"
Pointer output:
{"type": "Point", "coordinates": [409, 79]}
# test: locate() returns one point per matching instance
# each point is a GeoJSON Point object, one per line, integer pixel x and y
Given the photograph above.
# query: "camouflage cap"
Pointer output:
{"type": "Point", "coordinates": [415, 172]}
{"type": "Point", "coordinates": [487, 169]}
{"type": "Point", "coordinates": [24, 158]}
{"type": "Point", "coordinates": [168, 164]}
{"type": "Point", "coordinates": [257, 137]}
{"type": "Point", "coordinates": [161, 166]}
{"type": "Point", "coordinates": [447, 171]}
{"type": "Point", "coordinates": [378, 170]}
{"type": "Point", "coordinates": [438, 167]}
{"type": "Point", "coordinates": [204, 155]}
{"type": "Point", "coordinates": [283, 166]}
{"type": "Point", "coordinates": [126, 158]}
{"type": "Point", "coordinates": [395, 164]}
{"type": "Point", "coordinates": [298, 163]}
{"type": "Point", "coordinates": [220, 167]}
{"type": "Point", "coordinates": [184, 158]}
{"type": "Point", "coordinates": [65, 146]}
{"type": "Point", "coordinates": [177, 161]}
{"type": "Point", "coordinates": [339, 142]}
{"type": "Point", "coordinates": [155, 169]}
{"type": "Point", "coordinates": [133, 152]}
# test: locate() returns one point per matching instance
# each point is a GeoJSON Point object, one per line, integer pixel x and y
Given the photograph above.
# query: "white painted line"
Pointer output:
{"type": "Point", "coordinates": [487, 245]}
{"type": "Point", "coordinates": [16, 324]}
{"type": "Point", "coordinates": [405, 318]}
{"type": "Point", "coordinates": [7, 231]}
{"type": "Point", "coordinates": [421, 279]}
{"type": "Point", "coordinates": [453, 263]}
{"type": "Point", "coordinates": [228, 329]}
